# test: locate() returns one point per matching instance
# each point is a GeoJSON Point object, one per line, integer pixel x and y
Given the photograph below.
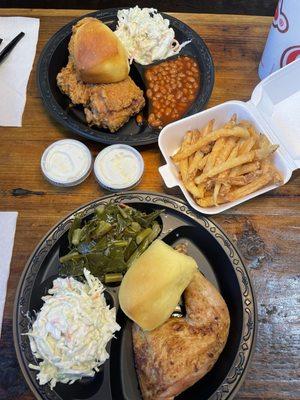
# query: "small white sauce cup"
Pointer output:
{"type": "Point", "coordinates": [106, 169]}
{"type": "Point", "coordinates": [70, 146]}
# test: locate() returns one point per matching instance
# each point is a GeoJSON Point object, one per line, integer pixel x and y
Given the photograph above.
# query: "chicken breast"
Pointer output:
{"type": "Point", "coordinates": [107, 105]}
{"type": "Point", "coordinates": [177, 354]}
{"type": "Point", "coordinates": [111, 105]}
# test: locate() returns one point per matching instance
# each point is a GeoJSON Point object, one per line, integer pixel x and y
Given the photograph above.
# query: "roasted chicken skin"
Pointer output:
{"type": "Point", "coordinates": [177, 354]}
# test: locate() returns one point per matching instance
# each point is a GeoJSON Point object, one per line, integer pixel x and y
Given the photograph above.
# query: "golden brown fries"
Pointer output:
{"type": "Point", "coordinates": [211, 137]}
{"type": "Point", "coordinates": [227, 151]}
{"type": "Point", "coordinates": [194, 163]}
{"type": "Point", "coordinates": [225, 164]}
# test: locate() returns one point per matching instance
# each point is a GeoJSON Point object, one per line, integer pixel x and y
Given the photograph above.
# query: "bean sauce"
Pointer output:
{"type": "Point", "coordinates": [172, 87]}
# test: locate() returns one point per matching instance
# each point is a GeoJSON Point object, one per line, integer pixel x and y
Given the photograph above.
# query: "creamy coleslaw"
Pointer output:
{"type": "Point", "coordinates": [146, 35]}
{"type": "Point", "coordinates": [71, 331]}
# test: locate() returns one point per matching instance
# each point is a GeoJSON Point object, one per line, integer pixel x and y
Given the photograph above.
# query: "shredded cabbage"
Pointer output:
{"type": "Point", "coordinates": [71, 331]}
{"type": "Point", "coordinates": [146, 35]}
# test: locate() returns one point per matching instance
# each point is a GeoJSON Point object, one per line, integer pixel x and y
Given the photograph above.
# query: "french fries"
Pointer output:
{"type": "Point", "coordinates": [211, 137]}
{"type": "Point", "coordinates": [225, 164]}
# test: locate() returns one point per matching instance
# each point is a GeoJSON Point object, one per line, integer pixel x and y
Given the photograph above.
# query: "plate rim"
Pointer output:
{"type": "Point", "coordinates": [228, 389]}
{"type": "Point", "coordinates": [63, 119]}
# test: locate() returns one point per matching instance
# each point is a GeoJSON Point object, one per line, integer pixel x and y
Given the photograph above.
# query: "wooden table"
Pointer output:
{"type": "Point", "coordinates": [266, 229]}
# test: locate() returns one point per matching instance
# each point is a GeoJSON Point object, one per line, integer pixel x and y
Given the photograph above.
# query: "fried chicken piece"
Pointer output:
{"type": "Point", "coordinates": [111, 105]}
{"type": "Point", "coordinates": [77, 91]}
{"type": "Point", "coordinates": [177, 354]}
{"type": "Point", "coordinates": [106, 105]}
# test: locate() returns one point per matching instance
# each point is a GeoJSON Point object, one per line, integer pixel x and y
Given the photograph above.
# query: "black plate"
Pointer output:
{"type": "Point", "coordinates": [55, 55]}
{"type": "Point", "coordinates": [217, 259]}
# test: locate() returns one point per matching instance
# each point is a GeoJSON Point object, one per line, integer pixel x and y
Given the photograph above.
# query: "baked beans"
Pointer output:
{"type": "Point", "coordinates": [172, 87]}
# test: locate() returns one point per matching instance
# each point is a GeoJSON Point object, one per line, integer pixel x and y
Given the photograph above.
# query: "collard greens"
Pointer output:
{"type": "Point", "coordinates": [108, 242]}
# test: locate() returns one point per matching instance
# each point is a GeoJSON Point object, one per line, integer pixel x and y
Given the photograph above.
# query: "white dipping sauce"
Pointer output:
{"type": "Point", "coordinates": [66, 162]}
{"type": "Point", "coordinates": [118, 167]}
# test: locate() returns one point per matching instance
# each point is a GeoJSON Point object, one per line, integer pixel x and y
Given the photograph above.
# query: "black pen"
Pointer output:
{"type": "Point", "coordinates": [5, 52]}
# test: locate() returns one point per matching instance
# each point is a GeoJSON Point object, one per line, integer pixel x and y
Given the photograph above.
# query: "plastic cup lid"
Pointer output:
{"type": "Point", "coordinates": [66, 162]}
{"type": "Point", "coordinates": [118, 167]}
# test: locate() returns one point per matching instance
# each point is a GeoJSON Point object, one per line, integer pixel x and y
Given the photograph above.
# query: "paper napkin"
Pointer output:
{"type": "Point", "coordinates": [8, 222]}
{"type": "Point", "coordinates": [15, 69]}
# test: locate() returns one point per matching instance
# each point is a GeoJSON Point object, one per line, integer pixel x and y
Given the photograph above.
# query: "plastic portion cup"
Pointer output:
{"type": "Point", "coordinates": [66, 163]}
{"type": "Point", "coordinates": [119, 167]}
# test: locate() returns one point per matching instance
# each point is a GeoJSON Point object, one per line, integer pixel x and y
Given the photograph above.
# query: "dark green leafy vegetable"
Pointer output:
{"type": "Point", "coordinates": [109, 241]}
{"type": "Point", "coordinates": [113, 278]}
{"type": "Point", "coordinates": [142, 235]}
{"type": "Point", "coordinates": [76, 236]}
{"type": "Point", "coordinates": [75, 225]}
{"type": "Point", "coordinates": [102, 229]}
{"type": "Point", "coordinates": [145, 243]}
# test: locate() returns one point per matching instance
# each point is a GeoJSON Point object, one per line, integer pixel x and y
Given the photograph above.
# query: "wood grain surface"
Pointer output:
{"type": "Point", "coordinates": [265, 229]}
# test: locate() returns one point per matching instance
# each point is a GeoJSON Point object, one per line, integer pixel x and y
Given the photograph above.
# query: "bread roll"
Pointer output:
{"type": "Point", "coordinates": [151, 288]}
{"type": "Point", "coordinates": [98, 54]}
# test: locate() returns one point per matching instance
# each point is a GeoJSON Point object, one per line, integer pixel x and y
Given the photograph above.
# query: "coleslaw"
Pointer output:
{"type": "Point", "coordinates": [146, 35]}
{"type": "Point", "coordinates": [71, 331]}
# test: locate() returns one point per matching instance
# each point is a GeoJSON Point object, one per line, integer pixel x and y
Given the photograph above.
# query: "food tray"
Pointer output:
{"type": "Point", "coordinates": [217, 259]}
{"type": "Point", "coordinates": [55, 56]}
{"type": "Point", "coordinates": [273, 109]}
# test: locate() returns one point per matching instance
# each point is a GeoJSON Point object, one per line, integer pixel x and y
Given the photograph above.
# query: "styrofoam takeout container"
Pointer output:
{"type": "Point", "coordinates": [274, 109]}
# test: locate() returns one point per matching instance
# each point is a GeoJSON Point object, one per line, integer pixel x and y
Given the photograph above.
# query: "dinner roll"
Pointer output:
{"type": "Point", "coordinates": [98, 54]}
{"type": "Point", "coordinates": [152, 286]}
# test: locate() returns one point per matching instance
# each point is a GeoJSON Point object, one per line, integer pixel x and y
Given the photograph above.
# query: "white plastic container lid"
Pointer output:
{"type": "Point", "coordinates": [277, 101]}
{"type": "Point", "coordinates": [274, 109]}
{"type": "Point", "coordinates": [119, 167]}
{"type": "Point", "coordinates": [66, 163]}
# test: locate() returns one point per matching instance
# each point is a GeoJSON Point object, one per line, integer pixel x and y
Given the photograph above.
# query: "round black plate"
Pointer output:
{"type": "Point", "coordinates": [217, 259]}
{"type": "Point", "coordinates": [55, 55]}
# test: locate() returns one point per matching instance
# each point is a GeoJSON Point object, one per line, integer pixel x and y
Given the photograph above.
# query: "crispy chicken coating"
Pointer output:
{"type": "Point", "coordinates": [107, 105]}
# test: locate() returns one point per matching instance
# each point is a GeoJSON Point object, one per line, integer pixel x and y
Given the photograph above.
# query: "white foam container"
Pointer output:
{"type": "Point", "coordinates": [274, 109]}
